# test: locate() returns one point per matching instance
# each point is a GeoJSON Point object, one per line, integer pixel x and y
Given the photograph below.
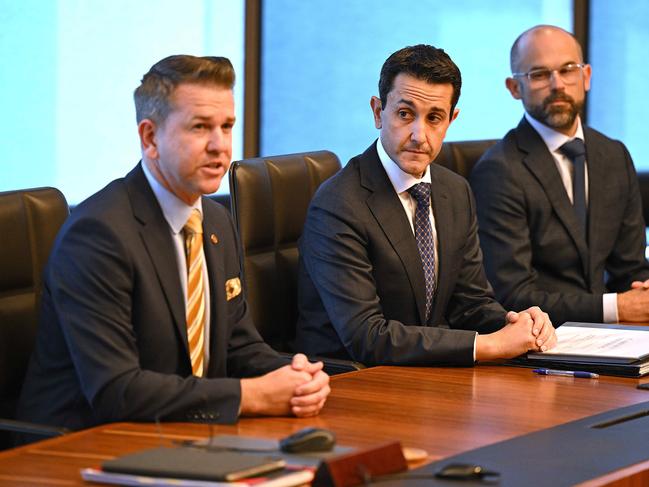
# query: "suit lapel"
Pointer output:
{"type": "Point", "coordinates": [540, 163]}
{"type": "Point", "coordinates": [596, 185]}
{"type": "Point", "coordinates": [158, 242]}
{"type": "Point", "coordinates": [214, 260]}
{"type": "Point", "coordinates": [386, 207]}
{"type": "Point", "coordinates": [443, 222]}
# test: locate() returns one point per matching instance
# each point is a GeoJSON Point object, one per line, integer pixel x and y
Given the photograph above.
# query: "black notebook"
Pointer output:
{"type": "Point", "coordinates": [193, 463]}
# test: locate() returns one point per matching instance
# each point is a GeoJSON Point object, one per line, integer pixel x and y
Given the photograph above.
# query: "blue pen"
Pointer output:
{"type": "Point", "coordinates": [567, 373]}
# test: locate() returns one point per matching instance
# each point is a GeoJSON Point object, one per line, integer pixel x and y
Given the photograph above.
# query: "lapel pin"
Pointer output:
{"type": "Point", "coordinates": [214, 239]}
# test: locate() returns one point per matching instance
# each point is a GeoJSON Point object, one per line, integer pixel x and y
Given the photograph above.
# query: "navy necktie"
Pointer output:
{"type": "Point", "coordinates": [424, 236]}
{"type": "Point", "coordinates": [575, 150]}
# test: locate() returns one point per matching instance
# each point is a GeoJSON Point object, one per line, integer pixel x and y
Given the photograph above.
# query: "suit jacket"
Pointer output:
{"type": "Point", "coordinates": [535, 253]}
{"type": "Point", "coordinates": [361, 282]}
{"type": "Point", "coordinates": [112, 339]}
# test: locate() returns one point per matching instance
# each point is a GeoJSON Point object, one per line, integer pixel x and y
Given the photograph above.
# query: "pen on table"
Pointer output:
{"type": "Point", "coordinates": [567, 373]}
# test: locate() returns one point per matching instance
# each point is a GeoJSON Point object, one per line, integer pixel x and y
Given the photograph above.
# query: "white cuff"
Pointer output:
{"type": "Point", "coordinates": [609, 306]}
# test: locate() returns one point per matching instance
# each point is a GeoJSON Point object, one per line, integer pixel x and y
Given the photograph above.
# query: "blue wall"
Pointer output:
{"type": "Point", "coordinates": [618, 102]}
{"type": "Point", "coordinates": [322, 58]}
{"type": "Point", "coordinates": [69, 68]}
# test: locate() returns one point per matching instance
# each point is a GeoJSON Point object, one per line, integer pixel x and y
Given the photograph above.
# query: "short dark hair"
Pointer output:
{"type": "Point", "coordinates": [424, 62]}
{"type": "Point", "coordinates": [153, 96]}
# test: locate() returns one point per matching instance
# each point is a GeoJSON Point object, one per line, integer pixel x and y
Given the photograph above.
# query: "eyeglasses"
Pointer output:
{"type": "Point", "coordinates": [569, 74]}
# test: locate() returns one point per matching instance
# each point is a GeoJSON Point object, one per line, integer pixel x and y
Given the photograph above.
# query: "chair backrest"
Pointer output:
{"type": "Point", "coordinates": [29, 222]}
{"type": "Point", "coordinates": [270, 198]}
{"type": "Point", "coordinates": [461, 156]}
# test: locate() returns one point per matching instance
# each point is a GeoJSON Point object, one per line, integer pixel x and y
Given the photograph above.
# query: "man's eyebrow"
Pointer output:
{"type": "Point", "coordinates": [438, 110]}
{"type": "Point", "coordinates": [533, 68]}
{"type": "Point", "coordinates": [207, 118]}
{"type": "Point", "coordinates": [410, 103]}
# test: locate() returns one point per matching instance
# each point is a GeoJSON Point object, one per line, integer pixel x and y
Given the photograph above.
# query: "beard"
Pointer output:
{"type": "Point", "coordinates": [556, 117]}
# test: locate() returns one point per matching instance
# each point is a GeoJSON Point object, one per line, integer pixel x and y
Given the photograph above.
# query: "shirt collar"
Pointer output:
{"type": "Point", "coordinates": [175, 211]}
{"type": "Point", "coordinates": [401, 181]}
{"type": "Point", "coordinates": [553, 139]}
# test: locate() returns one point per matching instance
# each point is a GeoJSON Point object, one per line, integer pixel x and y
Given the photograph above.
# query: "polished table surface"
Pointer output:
{"type": "Point", "coordinates": [442, 410]}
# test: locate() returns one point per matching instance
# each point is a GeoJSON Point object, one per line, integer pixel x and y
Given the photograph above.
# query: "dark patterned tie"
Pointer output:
{"type": "Point", "coordinates": [575, 150]}
{"type": "Point", "coordinates": [424, 236]}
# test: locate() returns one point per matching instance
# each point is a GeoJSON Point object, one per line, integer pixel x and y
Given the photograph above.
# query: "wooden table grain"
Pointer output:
{"type": "Point", "coordinates": [444, 411]}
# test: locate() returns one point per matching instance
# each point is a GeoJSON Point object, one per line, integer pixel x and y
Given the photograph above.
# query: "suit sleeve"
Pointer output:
{"type": "Point", "coordinates": [627, 262]}
{"type": "Point", "coordinates": [505, 240]}
{"type": "Point", "coordinates": [91, 285]}
{"type": "Point", "coordinates": [334, 250]}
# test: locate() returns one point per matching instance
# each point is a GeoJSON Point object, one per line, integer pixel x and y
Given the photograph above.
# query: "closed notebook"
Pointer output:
{"type": "Point", "coordinates": [193, 463]}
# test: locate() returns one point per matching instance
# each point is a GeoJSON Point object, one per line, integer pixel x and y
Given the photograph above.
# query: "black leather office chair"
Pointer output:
{"type": "Point", "coordinates": [270, 198]}
{"type": "Point", "coordinates": [461, 156]}
{"type": "Point", "coordinates": [29, 222]}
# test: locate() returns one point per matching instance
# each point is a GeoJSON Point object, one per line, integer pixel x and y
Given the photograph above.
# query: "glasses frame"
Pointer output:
{"type": "Point", "coordinates": [553, 72]}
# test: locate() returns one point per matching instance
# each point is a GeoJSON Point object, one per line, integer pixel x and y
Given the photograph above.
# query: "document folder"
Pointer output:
{"type": "Point", "coordinates": [193, 463]}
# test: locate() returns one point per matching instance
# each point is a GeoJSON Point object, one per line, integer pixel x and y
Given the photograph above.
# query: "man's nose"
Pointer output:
{"type": "Point", "coordinates": [216, 141]}
{"type": "Point", "coordinates": [556, 81]}
{"type": "Point", "coordinates": [418, 131]}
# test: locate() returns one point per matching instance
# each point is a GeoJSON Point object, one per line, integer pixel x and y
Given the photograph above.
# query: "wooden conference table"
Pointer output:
{"type": "Point", "coordinates": [442, 410]}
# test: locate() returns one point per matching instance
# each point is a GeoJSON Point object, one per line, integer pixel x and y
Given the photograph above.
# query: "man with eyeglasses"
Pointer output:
{"type": "Point", "coordinates": [558, 203]}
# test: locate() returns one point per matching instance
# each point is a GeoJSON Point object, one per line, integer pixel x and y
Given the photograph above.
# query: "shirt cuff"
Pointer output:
{"type": "Point", "coordinates": [475, 341]}
{"type": "Point", "coordinates": [609, 306]}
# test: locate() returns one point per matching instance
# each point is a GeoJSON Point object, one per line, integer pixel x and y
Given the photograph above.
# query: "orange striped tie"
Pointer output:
{"type": "Point", "coordinates": [195, 291]}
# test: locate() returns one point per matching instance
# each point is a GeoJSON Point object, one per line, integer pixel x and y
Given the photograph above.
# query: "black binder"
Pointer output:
{"type": "Point", "coordinates": [193, 463]}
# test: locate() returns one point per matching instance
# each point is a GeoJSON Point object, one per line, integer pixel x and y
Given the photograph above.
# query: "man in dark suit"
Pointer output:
{"type": "Point", "coordinates": [558, 228]}
{"type": "Point", "coordinates": [386, 278]}
{"type": "Point", "coordinates": [128, 275]}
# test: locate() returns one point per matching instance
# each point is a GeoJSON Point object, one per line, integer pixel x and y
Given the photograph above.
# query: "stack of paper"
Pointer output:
{"type": "Point", "coordinates": [593, 347]}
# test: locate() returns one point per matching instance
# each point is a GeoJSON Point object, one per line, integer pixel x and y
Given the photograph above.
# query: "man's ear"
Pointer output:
{"type": "Point", "coordinates": [147, 131]}
{"type": "Point", "coordinates": [588, 72]}
{"type": "Point", "coordinates": [456, 112]}
{"type": "Point", "coordinates": [514, 87]}
{"type": "Point", "coordinates": [376, 105]}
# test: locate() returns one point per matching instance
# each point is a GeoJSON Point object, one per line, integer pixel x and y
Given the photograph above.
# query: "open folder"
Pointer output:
{"type": "Point", "coordinates": [596, 347]}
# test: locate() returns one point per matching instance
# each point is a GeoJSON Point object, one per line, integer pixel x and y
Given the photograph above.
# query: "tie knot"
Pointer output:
{"type": "Point", "coordinates": [194, 223]}
{"type": "Point", "coordinates": [421, 192]}
{"type": "Point", "coordinates": [573, 149]}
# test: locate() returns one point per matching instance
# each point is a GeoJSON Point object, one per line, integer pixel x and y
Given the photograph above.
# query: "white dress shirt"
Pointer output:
{"type": "Point", "coordinates": [401, 182]}
{"type": "Point", "coordinates": [177, 212]}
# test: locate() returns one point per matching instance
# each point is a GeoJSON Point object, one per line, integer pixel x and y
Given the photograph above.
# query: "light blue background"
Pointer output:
{"type": "Point", "coordinates": [322, 58]}
{"type": "Point", "coordinates": [69, 68]}
{"type": "Point", "coordinates": [68, 71]}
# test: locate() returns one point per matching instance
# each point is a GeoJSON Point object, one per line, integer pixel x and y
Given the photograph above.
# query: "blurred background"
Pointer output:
{"type": "Point", "coordinates": [305, 73]}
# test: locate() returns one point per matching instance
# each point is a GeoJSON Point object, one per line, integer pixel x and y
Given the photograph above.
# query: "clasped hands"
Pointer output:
{"type": "Point", "coordinates": [539, 325]}
{"type": "Point", "coordinates": [300, 388]}
{"type": "Point", "coordinates": [633, 305]}
{"type": "Point", "coordinates": [523, 331]}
